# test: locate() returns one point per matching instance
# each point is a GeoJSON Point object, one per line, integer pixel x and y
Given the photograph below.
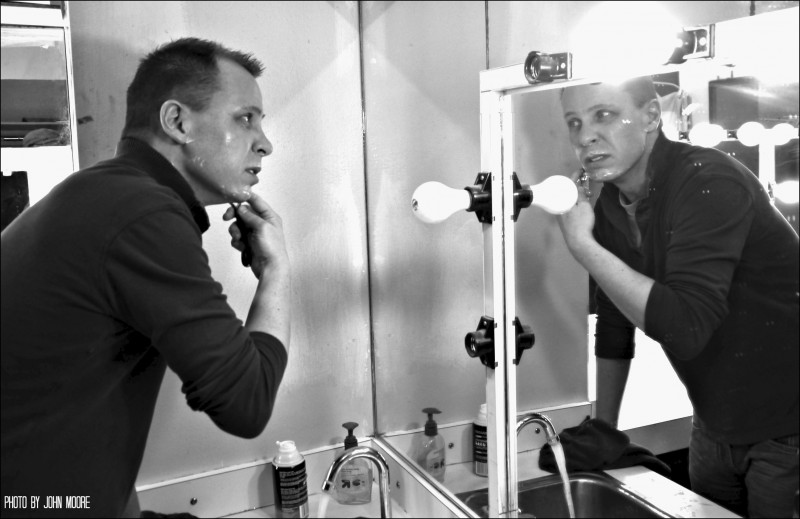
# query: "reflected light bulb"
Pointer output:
{"type": "Point", "coordinates": [750, 133]}
{"type": "Point", "coordinates": [434, 202]}
{"type": "Point", "coordinates": [708, 135]}
{"type": "Point", "coordinates": [782, 133]}
{"type": "Point", "coordinates": [787, 191]}
{"type": "Point", "coordinates": [556, 195]}
{"type": "Point", "coordinates": [671, 132]}
{"type": "Point", "coordinates": [617, 40]}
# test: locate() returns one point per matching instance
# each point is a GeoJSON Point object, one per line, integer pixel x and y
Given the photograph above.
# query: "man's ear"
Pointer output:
{"type": "Point", "coordinates": [653, 111]}
{"type": "Point", "coordinates": [174, 118]}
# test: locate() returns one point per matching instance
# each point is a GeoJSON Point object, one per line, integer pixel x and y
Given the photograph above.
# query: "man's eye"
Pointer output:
{"type": "Point", "coordinates": [247, 118]}
{"type": "Point", "coordinates": [573, 124]}
{"type": "Point", "coordinates": [603, 115]}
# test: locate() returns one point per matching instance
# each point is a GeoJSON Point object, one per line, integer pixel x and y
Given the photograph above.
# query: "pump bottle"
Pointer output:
{"type": "Point", "coordinates": [430, 454]}
{"type": "Point", "coordinates": [354, 482]}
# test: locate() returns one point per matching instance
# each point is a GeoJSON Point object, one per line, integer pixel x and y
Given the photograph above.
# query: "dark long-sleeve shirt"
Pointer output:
{"type": "Point", "coordinates": [724, 305]}
{"type": "Point", "coordinates": [104, 284]}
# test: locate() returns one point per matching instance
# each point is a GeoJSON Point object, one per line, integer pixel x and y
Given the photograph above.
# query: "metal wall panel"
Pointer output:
{"type": "Point", "coordinates": [421, 64]}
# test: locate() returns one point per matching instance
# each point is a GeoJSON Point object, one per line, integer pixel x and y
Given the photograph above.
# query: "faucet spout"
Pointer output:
{"type": "Point", "coordinates": [377, 459]}
{"type": "Point", "coordinates": [543, 421]}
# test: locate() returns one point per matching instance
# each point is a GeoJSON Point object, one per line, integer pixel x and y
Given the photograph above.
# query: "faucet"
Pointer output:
{"type": "Point", "coordinates": [543, 421]}
{"type": "Point", "coordinates": [383, 473]}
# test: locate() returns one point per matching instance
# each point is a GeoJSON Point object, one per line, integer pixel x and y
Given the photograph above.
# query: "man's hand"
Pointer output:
{"type": "Point", "coordinates": [577, 223]}
{"type": "Point", "coordinates": [266, 238]}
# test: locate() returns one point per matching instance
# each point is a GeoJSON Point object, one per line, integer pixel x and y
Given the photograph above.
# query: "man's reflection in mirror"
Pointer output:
{"type": "Point", "coordinates": [685, 244]}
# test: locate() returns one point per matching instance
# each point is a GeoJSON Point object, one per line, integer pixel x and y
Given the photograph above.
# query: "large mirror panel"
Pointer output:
{"type": "Point", "coordinates": [554, 294]}
{"type": "Point", "coordinates": [35, 102]}
{"type": "Point", "coordinates": [36, 119]}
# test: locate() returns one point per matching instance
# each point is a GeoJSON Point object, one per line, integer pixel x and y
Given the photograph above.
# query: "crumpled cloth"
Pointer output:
{"type": "Point", "coordinates": [597, 445]}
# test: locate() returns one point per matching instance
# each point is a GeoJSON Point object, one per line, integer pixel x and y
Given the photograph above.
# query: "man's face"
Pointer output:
{"type": "Point", "coordinates": [606, 130]}
{"type": "Point", "coordinates": [226, 142]}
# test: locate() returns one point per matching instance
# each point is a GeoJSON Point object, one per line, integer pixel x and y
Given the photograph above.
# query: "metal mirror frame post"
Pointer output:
{"type": "Point", "coordinates": [497, 156]}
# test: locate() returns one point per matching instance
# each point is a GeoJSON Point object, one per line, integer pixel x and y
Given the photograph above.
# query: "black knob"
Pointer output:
{"type": "Point", "coordinates": [478, 343]}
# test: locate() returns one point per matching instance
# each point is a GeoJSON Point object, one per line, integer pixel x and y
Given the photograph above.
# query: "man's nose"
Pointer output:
{"type": "Point", "coordinates": [262, 146]}
{"type": "Point", "coordinates": [587, 135]}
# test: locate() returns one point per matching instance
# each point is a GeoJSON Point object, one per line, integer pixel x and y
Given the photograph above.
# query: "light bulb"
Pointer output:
{"type": "Point", "coordinates": [671, 132]}
{"type": "Point", "coordinates": [750, 133]}
{"type": "Point", "coordinates": [613, 41]}
{"type": "Point", "coordinates": [787, 191]}
{"type": "Point", "coordinates": [782, 133]}
{"type": "Point", "coordinates": [556, 195]}
{"type": "Point", "coordinates": [708, 135]}
{"type": "Point", "coordinates": [434, 202]}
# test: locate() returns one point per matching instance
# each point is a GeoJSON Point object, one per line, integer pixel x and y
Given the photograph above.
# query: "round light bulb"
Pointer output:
{"type": "Point", "coordinates": [671, 132]}
{"type": "Point", "coordinates": [750, 133]}
{"type": "Point", "coordinates": [434, 202]}
{"type": "Point", "coordinates": [787, 191]}
{"type": "Point", "coordinates": [556, 195]}
{"type": "Point", "coordinates": [613, 41]}
{"type": "Point", "coordinates": [708, 135]}
{"type": "Point", "coordinates": [782, 133]}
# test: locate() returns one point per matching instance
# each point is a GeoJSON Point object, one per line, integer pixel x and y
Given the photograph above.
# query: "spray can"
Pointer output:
{"type": "Point", "coordinates": [480, 463]}
{"type": "Point", "coordinates": [289, 480]}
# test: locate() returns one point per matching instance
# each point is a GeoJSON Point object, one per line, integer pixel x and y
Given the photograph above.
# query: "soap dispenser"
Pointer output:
{"type": "Point", "coordinates": [430, 453]}
{"type": "Point", "coordinates": [354, 482]}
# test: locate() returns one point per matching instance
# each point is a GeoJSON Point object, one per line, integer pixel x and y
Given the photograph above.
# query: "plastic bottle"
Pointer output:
{"type": "Point", "coordinates": [430, 454]}
{"type": "Point", "coordinates": [290, 481]}
{"type": "Point", "coordinates": [480, 463]}
{"type": "Point", "coordinates": [354, 482]}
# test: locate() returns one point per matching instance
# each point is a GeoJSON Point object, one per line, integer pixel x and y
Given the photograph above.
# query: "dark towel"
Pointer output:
{"type": "Point", "coordinates": [596, 445]}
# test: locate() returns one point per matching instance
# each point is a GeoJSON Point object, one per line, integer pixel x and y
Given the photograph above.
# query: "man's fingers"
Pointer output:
{"type": "Point", "coordinates": [260, 206]}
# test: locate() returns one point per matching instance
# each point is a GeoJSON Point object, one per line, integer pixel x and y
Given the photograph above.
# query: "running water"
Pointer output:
{"type": "Point", "coordinates": [322, 508]}
{"type": "Point", "coordinates": [561, 460]}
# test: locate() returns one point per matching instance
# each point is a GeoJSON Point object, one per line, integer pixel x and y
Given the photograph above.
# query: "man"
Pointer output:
{"type": "Point", "coordinates": [684, 244]}
{"type": "Point", "coordinates": [105, 284]}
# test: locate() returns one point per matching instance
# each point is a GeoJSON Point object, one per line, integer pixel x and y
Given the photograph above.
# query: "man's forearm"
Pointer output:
{"type": "Point", "coordinates": [627, 289]}
{"type": "Point", "coordinates": [271, 309]}
{"type": "Point", "coordinates": [612, 375]}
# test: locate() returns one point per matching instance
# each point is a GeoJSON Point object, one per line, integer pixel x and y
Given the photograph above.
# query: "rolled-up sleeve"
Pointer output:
{"type": "Point", "coordinates": [614, 333]}
{"type": "Point", "coordinates": [159, 282]}
{"type": "Point", "coordinates": [707, 229]}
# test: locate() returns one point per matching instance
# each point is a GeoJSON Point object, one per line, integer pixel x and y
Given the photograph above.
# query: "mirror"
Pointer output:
{"type": "Point", "coordinates": [552, 291]}
{"type": "Point", "coordinates": [751, 99]}
{"type": "Point", "coordinates": [36, 121]}
{"type": "Point", "coordinates": [35, 100]}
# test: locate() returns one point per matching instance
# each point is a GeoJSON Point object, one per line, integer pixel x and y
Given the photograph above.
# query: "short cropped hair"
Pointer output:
{"type": "Point", "coordinates": [185, 70]}
{"type": "Point", "coordinates": [641, 89]}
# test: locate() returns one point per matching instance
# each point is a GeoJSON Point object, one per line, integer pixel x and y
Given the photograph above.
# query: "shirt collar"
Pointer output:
{"type": "Point", "coordinates": [660, 161]}
{"type": "Point", "coordinates": [656, 164]}
{"type": "Point", "coordinates": [159, 168]}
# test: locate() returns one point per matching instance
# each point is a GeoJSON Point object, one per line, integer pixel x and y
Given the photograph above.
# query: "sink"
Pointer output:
{"type": "Point", "coordinates": [594, 494]}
